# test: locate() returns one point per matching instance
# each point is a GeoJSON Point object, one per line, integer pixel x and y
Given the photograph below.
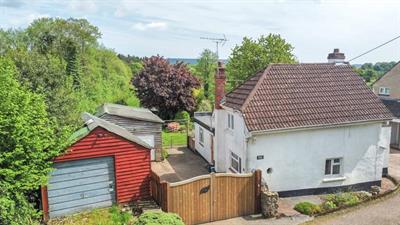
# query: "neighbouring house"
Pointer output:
{"type": "Point", "coordinates": [104, 164]}
{"type": "Point", "coordinates": [310, 127]}
{"type": "Point", "coordinates": [388, 89]}
{"type": "Point", "coordinates": [140, 122]}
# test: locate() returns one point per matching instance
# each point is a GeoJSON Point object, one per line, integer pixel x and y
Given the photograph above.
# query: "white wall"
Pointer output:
{"type": "Point", "coordinates": [205, 148]}
{"type": "Point", "coordinates": [229, 140]}
{"type": "Point", "coordinates": [297, 158]}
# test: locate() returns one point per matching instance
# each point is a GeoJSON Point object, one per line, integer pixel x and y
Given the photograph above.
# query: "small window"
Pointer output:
{"type": "Point", "coordinates": [384, 91]}
{"type": "Point", "coordinates": [333, 166]}
{"type": "Point", "coordinates": [201, 135]}
{"type": "Point", "coordinates": [236, 163]}
{"type": "Point", "coordinates": [231, 123]}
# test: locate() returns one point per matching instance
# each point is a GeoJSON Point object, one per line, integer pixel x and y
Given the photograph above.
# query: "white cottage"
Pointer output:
{"type": "Point", "coordinates": [310, 128]}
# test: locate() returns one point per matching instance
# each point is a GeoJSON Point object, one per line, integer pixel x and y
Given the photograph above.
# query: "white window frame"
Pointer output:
{"type": "Point", "coordinates": [201, 135]}
{"type": "Point", "coordinates": [231, 121]}
{"type": "Point", "coordinates": [238, 160]}
{"type": "Point", "coordinates": [384, 91]}
{"type": "Point", "coordinates": [332, 165]}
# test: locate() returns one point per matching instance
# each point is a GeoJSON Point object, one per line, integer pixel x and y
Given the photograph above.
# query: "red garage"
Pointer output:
{"type": "Point", "coordinates": [105, 164]}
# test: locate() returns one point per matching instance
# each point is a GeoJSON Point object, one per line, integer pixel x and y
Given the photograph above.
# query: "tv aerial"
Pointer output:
{"type": "Point", "coordinates": [217, 41]}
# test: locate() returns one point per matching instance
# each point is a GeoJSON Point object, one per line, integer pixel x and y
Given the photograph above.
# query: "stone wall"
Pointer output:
{"type": "Point", "coordinates": [269, 203]}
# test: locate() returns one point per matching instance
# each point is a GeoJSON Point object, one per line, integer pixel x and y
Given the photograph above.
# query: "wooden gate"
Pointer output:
{"type": "Point", "coordinates": [212, 197]}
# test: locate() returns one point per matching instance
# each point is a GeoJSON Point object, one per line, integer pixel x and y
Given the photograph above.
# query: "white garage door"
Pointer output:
{"type": "Point", "coordinates": [81, 184]}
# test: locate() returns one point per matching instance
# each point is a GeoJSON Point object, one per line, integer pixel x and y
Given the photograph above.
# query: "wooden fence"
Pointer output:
{"type": "Point", "coordinates": [212, 197]}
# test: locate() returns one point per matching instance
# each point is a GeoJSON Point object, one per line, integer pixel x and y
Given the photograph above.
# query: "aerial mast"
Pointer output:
{"type": "Point", "coordinates": [217, 41]}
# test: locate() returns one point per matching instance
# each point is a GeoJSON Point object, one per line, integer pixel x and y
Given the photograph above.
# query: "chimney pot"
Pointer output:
{"type": "Point", "coordinates": [336, 56]}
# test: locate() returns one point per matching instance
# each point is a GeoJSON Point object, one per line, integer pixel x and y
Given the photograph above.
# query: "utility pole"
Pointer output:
{"type": "Point", "coordinates": [218, 41]}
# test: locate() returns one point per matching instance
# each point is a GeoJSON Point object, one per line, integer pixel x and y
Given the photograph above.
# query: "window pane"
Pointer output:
{"type": "Point", "coordinates": [229, 120]}
{"type": "Point", "coordinates": [336, 169]}
{"type": "Point", "coordinates": [235, 164]}
{"type": "Point", "coordinates": [327, 167]}
{"type": "Point", "coordinates": [232, 123]}
{"type": "Point", "coordinates": [336, 160]}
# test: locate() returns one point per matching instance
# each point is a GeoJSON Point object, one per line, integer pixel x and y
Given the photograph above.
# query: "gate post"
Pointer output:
{"type": "Point", "coordinates": [212, 197]}
{"type": "Point", "coordinates": [164, 196]}
{"type": "Point", "coordinates": [257, 185]}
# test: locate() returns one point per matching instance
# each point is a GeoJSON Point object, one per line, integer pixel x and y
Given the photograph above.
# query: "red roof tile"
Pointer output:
{"type": "Point", "coordinates": [302, 95]}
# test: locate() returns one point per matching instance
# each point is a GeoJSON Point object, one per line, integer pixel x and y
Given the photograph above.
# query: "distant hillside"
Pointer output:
{"type": "Point", "coordinates": [188, 60]}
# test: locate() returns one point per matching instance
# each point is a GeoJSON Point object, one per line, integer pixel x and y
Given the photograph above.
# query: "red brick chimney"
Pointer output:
{"type": "Point", "coordinates": [219, 85]}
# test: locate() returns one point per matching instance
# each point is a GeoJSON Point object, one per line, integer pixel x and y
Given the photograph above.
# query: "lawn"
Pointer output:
{"type": "Point", "coordinates": [174, 139]}
{"type": "Point", "coordinates": [105, 216]}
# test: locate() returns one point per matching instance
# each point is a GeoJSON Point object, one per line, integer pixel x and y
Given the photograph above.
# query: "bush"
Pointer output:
{"type": "Point", "coordinates": [343, 199]}
{"type": "Point", "coordinates": [159, 218]}
{"type": "Point", "coordinates": [329, 205]}
{"type": "Point", "coordinates": [307, 208]}
{"type": "Point", "coordinates": [164, 154]}
{"type": "Point", "coordinates": [118, 217]}
{"type": "Point", "coordinates": [182, 115]}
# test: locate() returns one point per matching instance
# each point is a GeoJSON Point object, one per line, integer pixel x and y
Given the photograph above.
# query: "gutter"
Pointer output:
{"type": "Point", "coordinates": [312, 127]}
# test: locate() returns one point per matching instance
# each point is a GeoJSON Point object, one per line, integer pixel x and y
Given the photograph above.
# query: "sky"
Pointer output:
{"type": "Point", "coordinates": [172, 28]}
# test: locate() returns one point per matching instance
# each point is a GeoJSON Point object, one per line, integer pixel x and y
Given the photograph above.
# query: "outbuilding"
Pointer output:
{"type": "Point", "coordinates": [104, 165]}
{"type": "Point", "coordinates": [141, 122]}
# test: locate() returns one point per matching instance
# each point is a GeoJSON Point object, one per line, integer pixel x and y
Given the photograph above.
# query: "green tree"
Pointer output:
{"type": "Point", "coordinates": [28, 142]}
{"type": "Point", "coordinates": [254, 55]}
{"type": "Point", "coordinates": [62, 60]}
{"type": "Point", "coordinates": [206, 66]}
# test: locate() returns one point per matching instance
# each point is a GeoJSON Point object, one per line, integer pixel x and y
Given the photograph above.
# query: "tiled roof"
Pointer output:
{"type": "Point", "coordinates": [303, 95]}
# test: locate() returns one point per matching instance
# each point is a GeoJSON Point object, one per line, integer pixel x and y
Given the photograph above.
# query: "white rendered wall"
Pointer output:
{"type": "Point", "coordinates": [297, 158]}
{"type": "Point", "coordinates": [228, 140]}
{"type": "Point", "coordinates": [205, 148]}
{"type": "Point", "coordinates": [384, 142]}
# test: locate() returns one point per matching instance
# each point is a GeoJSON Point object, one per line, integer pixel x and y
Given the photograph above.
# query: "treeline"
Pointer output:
{"type": "Point", "coordinates": [63, 61]}
{"type": "Point", "coordinates": [371, 72]}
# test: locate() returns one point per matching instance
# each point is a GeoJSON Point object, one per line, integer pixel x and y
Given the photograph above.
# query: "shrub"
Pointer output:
{"type": "Point", "coordinates": [182, 115]}
{"type": "Point", "coordinates": [328, 205]}
{"type": "Point", "coordinates": [118, 217]}
{"type": "Point", "coordinates": [307, 208]}
{"type": "Point", "coordinates": [173, 126]}
{"type": "Point", "coordinates": [164, 154]}
{"type": "Point", "coordinates": [343, 199]}
{"type": "Point", "coordinates": [159, 218]}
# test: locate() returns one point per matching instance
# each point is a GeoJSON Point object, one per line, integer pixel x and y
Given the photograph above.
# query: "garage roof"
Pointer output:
{"type": "Point", "coordinates": [128, 112]}
{"type": "Point", "coordinates": [91, 122]}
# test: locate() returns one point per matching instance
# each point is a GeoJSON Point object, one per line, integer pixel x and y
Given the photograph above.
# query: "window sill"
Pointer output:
{"type": "Point", "coordinates": [333, 179]}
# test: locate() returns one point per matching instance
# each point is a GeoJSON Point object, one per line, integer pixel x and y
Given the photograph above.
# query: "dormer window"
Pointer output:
{"type": "Point", "coordinates": [384, 91]}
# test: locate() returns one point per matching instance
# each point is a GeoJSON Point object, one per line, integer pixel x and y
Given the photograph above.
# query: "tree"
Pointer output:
{"type": "Point", "coordinates": [254, 55]}
{"type": "Point", "coordinates": [62, 60]}
{"type": "Point", "coordinates": [28, 142]}
{"type": "Point", "coordinates": [165, 87]}
{"type": "Point", "coordinates": [206, 66]}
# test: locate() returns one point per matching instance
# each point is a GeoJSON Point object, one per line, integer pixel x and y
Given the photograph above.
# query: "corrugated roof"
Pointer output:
{"type": "Point", "coordinates": [286, 96]}
{"type": "Point", "coordinates": [91, 122]}
{"type": "Point", "coordinates": [128, 112]}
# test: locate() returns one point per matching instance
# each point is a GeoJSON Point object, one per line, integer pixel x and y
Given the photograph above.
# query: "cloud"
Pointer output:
{"type": "Point", "coordinates": [26, 20]}
{"type": "Point", "coordinates": [85, 6]}
{"type": "Point", "coordinates": [150, 26]}
{"type": "Point", "coordinates": [11, 3]}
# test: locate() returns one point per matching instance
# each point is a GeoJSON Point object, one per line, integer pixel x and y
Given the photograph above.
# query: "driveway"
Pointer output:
{"type": "Point", "coordinates": [181, 164]}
